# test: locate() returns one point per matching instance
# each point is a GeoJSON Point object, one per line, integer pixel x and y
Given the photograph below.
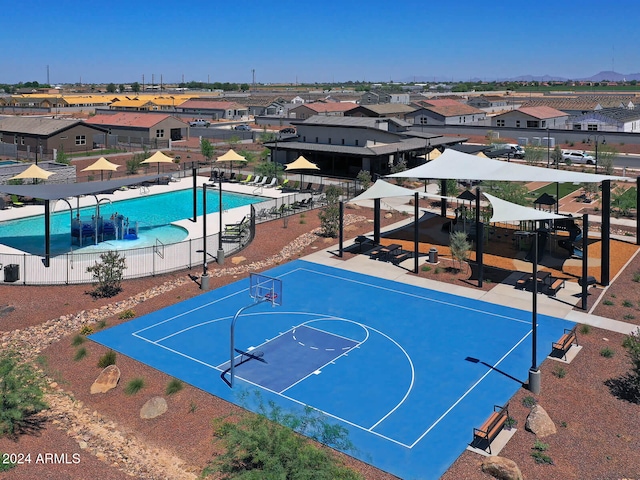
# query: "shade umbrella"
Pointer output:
{"type": "Point", "coordinates": [101, 164]}
{"type": "Point", "coordinates": [34, 171]}
{"type": "Point", "coordinates": [301, 164]}
{"type": "Point", "coordinates": [432, 155]}
{"type": "Point", "coordinates": [158, 158]}
{"type": "Point", "coordinates": [230, 157]}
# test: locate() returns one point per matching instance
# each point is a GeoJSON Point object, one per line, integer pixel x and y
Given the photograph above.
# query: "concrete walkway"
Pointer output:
{"type": "Point", "coordinates": [561, 306]}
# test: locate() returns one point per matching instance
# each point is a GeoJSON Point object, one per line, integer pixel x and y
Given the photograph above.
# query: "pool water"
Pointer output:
{"type": "Point", "coordinates": [8, 162]}
{"type": "Point", "coordinates": [153, 214]}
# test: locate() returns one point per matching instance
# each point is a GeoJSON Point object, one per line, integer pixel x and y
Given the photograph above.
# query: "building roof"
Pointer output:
{"type": "Point", "coordinates": [321, 107]}
{"type": "Point", "coordinates": [386, 108]}
{"type": "Point", "coordinates": [212, 105]}
{"type": "Point", "coordinates": [455, 110]}
{"type": "Point", "coordinates": [361, 122]}
{"type": "Point", "coordinates": [541, 112]}
{"type": "Point", "coordinates": [36, 125]}
{"type": "Point", "coordinates": [439, 102]}
{"type": "Point", "coordinates": [616, 114]}
{"type": "Point", "coordinates": [129, 119]}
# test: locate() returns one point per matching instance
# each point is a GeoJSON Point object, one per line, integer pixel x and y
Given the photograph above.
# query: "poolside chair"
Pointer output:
{"type": "Point", "coordinates": [15, 202]}
{"type": "Point", "coordinates": [272, 183]}
{"type": "Point", "coordinates": [3, 204]}
{"type": "Point", "coordinates": [283, 185]}
{"type": "Point", "coordinates": [232, 177]}
{"type": "Point", "coordinates": [214, 176]}
{"type": "Point", "coordinates": [247, 180]}
{"type": "Point", "coordinates": [221, 177]}
{"type": "Point", "coordinates": [308, 188]}
{"type": "Point", "coordinates": [318, 190]}
{"type": "Point", "coordinates": [255, 180]}
{"type": "Point", "coordinates": [262, 182]}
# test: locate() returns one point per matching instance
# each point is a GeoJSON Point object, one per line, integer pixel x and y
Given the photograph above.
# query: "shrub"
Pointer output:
{"type": "Point", "coordinates": [101, 324]}
{"type": "Point", "coordinates": [627, 387]}
{"type": "Point", "coordinates": [585, 329]}
{"type": "Point", "coordinates": [78, 340]}
{"type": "Point", "coordinates": [107, 274]}
{"type": "Point", "coordinates": [86, 330]}
{"type": "Point", "coordinates": [606, 352]}
{"type": "Point", "coordinates": [329, 215]}
{"type": "Point", "coordinates": [127, 314]}
{"type": "Point", "coordinates": [174, 386]}
{"type": "Point", "coordinates": [437, 270]}
{"type": "Point", "coordinates": [21, 395]}
{"type": "Point", "coordinates": [5, 463]}
{"type": "Point", "coordinates": [529, 401]}
{"type": "Point", "coordinates": [627, 303]}
{"type": "Point", "coordinates": [107, 359]}
{"type": "Point", "coordinates": [538, 455]}
{"type": "Point", "coordinates": [80, 354]}
{"type": "Point", "coordinates": [629, 316]}
{"type": "Point", "coordinates": [636, 277]}
{"type": "Point", "coordinates": [510, 422]}
{"type": "Point", "coordinates": [134, 386]}
{"type": "Point", "coordinates": [608, 302]}
{"type": "Point", "coordinates": [559, 372]}
{"type": "Point", "coordinates": [426, 268]}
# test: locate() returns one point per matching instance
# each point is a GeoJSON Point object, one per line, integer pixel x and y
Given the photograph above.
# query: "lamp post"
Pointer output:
{"type": "Point", "coordinates": [204, 280]}
{"type": "Point", "coordinates": [534, 371]}
{"type": "Point", "coordinates": [597, 137]}
{"type": "Point", "coordinates": [548, 150]}
{"type": "Point", "coordinates": [220, 255]}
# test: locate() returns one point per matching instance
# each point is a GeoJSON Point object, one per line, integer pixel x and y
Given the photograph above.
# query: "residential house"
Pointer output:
{"type": "Point", "coordinates": [214, 109]}
{"type": "Point", "coordinates": [149, 128]}
{"type": "Point", "coordinates": [607, 120]}
{"type": "Point", "coordinates": [531, 117]}
{"type": "Point", "coordinates": [42, 135]}
{"type": "Point", "coordinates": [396, 110]}
{"type": "Point", "coordinates": [446, 112]}
{"type": "Point", "coordinates": [307, 110]}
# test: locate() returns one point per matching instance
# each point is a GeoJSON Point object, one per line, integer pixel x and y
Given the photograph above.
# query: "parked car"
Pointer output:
{"type": "Point", "coordinates": [578, 156]}
{"type": "Point", "coordinates": [246, 128]}
{"type": "Point", "coordinates": [511, 150]}
{"type": "Point", "coordinates": [288, 130]}
{"type": "Point", "coordinates": [199, 122]}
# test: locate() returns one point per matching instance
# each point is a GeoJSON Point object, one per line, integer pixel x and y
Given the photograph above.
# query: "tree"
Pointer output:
{"type": "Point", "coordinates": [135, 87]}
{"type": "Point", "coordinates": [460, 247]}
{"type": "Point", "coordinates": [111, 88]}
{"type": "Point", "coordinates": [244, 87]}
{"type": "Point", "coordinates": [329, 215]}
{"type": "Point", "coordinates": [533, 154]}
{"type": "Point", "coordinates": [364, 177]}
{"type": "Point", "coordinates": [400, 166]}
{"type": "Point", "coordinates": [509, 191]}
{"type": "Point", "coordinates": [627, 387]}
{"type": "Point", "coordinates": [623, 200]}
{"type": "Point", "coordinates": [62, 157]}
{"type": "Point", "coordinates": [556, 155]}
{"type": "Point", "coordinates": [21, 395]}
{"type": "Point", "coordinates": [206, 149]}
{"type": "Point", "coordinates": [606, 155]}
{"type": "Point", "coordinates": [107, 274]}
{"type": "Point", "coordinates": [121, 88]}
{"type": "Point", "coordinates": [267, 446]}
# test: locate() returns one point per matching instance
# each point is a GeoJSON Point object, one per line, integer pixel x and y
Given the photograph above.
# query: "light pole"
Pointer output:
{"type": "Point", "coordinates": [534, 371]}
{"type": "Point", "coordinates": [548, 151]}
{"type": "Point", "coordinates": [597, 138]}
{"type": "Point", "coordinates": [204, 281]}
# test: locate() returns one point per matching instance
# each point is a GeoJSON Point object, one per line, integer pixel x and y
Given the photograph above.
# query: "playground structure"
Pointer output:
{"type": "Point", "coordinates": [117, 227]}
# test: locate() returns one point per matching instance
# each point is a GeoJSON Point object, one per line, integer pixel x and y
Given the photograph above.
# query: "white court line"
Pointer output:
{"type": "Point", "coordinates": [421, 296]}
{"type": "Point", "coordinates": [468, 391]}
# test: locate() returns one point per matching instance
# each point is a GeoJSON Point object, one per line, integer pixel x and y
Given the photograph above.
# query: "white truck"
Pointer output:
{"type": "Point", "coordinates": [512, 150]}
{"type": "Point", "coordinates": [198, 122]}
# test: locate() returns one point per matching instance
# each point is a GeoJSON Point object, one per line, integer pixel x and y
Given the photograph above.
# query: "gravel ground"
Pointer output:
{"type": "Point", "coordinates": [598, 435]}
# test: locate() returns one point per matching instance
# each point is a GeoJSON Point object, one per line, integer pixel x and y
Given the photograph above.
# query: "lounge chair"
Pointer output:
{"type": "Point", "coordinates": [221, 177]}
{"type": "Point", "coordinates": [247, 180]}
{"type": "Point", "coordinates": [318, 190]}
{"type": "Point", "coordinates": [283, 185]}
{"type": "Point", "coordinates": [15, 202]}
{"type": "Point", "coordinates": [232, 177]}
{"type": "Point", "coordinates": [262, 182]}
{"type": "Point", "coordinates": [257, 180]}
{"type": "Point", "coordinates": [272, 183]}
{"type": "Point", "coordinates": [308, 188]}
{"type": "Point", "coordinates": [3, 204]}
{"type": "Point", "coordinates": [214, 176]}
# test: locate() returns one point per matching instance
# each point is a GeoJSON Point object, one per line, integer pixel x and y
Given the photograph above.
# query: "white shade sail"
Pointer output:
{"type": "Point", "coordinates": [504, 211]}
{"type": "Point", "coordinates": [458, 165]}
{"type": "Point", "coordinates": [382, 189]}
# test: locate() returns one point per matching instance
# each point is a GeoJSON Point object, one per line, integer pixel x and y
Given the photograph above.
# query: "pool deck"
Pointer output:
{"type": "Point", "coordinates": [194, 229]}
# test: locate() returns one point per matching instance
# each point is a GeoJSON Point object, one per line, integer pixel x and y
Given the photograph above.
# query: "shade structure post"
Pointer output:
{"type": "Point", "coordinates": [195, 194]}
{"type": "Point", "coordinates": [204, 280]}
{"type": "Point", "coordinates": [340, 233]}
{"type": "Point", "coordinates": [479, 240]}
{"type": "Point", "coordinates": [585, 256]}
{"type": "Point", "coordinates": [47, 233]}
{"type": "Point", "coordinates": [416, 232]}
{"type": "Point", "coordinates": [220, 254]}
{"type": "Point", "coordinates": [376, 220]}
{"type": "Point", "coordinates": [606, 231]}
{"type": "Point", "coordinates": [638, 210]}
{"type": "Point", "coordinates": [534, 372]}
{"type": "Point", "coordinates": [443, 194]}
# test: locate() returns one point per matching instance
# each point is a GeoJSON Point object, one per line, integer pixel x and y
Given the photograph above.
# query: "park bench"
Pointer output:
{"type": "Point", "coordinates": [490, 429]}
{"type": "Point", "coordinates": [555, 286]}
{"type": "Point", "coordinates": [566, 340]}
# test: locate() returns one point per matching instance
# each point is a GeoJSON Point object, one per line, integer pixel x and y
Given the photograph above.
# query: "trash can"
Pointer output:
{"type": "Point", "coordinates": [433, 255]}
{"type": "Point", "coordinates": [12, 272]}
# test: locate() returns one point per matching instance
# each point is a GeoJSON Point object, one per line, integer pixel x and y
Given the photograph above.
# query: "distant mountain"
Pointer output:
{"type": "Point", "coordinates": [598, 77]}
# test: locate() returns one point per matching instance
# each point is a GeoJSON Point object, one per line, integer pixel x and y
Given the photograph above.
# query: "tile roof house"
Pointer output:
{"type": "Point", "coordinates": [446, 112]}
{"type": "Point", "coordinates": [397, 110]}
{"type": "Point", "coordinates": [577, 105]}
{"type": "Point", "coordinates": [214, 109]}
{"type": "Point", "coordinates": [307, 110]}
{"type": "Point", "coordinates": [153, 128]}
{"type": "Point", "coordinates": [531, 117]}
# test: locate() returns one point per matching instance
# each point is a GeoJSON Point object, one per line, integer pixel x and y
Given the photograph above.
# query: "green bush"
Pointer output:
{"type": "Point", "coordinates": [107, 274]}
{"type": "Point", "coordinates": [426, 268]}
{"type": "Point", "coordinates": [606, 352]}
{"type": "Point", "coordinates": [86, 330]}
{"type": "Point", "coordinates": [107, 359]}
{"type": "Point", "coordinates": [127, 314]}
{"type": "Point", "coordinates": [559, 372]}
{"type": "Point", "coordinates": [636, 277]}
{"type": "Point", "coordinates": [627, 387]}
{"type": "Point", "coordinates": [78, 340]}
{"type": "Point", "coordinates": [134, 386]}
{"type": "Point", "coordinates": [608, 302]}
{"type": "Point", "coordinates": [80, 354]}
{"type": "Point", "coordinates": [538, 455]}
{"type": "Point", "coordinates": [529, 401]}
{"type": "Point", "coordinates": [627, 303]}
{"type": "Point", "coordinates": [21, 395]}
{"type": "Point", "coordinates": [5, 465]}
{"type": "Point", "coordinates": [585, 329]}
{"type": "Point", "coordinates": [174, 386]}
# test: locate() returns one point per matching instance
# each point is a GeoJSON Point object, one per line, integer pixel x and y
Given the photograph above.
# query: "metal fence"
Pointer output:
{"type": "Point", "coordinates": [71, 268]}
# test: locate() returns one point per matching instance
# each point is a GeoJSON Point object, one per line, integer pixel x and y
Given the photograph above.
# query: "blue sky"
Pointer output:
{"type": "Point", "coordinates": [288, 41]}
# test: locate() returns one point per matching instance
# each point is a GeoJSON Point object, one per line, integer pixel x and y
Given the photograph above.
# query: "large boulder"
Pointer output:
{"type": "Point", "coordinates": [154, 407]}
{"type": "Point", "coordinates": [107, 380]}
{"type": "Point", "coordinates": [502, 468]}
{"type": "Point", "coordinates": [539, 422]}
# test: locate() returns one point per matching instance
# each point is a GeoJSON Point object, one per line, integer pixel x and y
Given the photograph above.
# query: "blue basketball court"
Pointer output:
{"type": "Point", "coordinates": [408, 371]}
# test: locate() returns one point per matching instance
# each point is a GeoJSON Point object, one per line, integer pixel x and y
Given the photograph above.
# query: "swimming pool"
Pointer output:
{"type": "Point", "coordinates": [8, 162]}
{"type": "Point", "coordinates": [152, 213]}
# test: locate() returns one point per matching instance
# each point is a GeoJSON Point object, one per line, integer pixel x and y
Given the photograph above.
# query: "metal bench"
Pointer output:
{"type": "Point", "coordinates": [491, 427]}
{"type": "Point", "coordinates": [566, 340]}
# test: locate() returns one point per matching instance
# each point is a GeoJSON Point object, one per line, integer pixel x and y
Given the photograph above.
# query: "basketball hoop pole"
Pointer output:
{"type": "Point", "coordinates": [232, 337]}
